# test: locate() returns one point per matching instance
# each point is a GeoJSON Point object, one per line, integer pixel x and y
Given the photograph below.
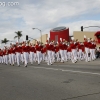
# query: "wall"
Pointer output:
{"type": "Point", "coordinates": [64, 34]}
{"type": "Point", "coordinates": [80, 35]}
{"type": "Point", "coordinates": [44, 38]}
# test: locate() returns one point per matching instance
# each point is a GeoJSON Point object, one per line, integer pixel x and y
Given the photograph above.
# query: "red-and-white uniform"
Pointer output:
{"type": "Point", "coordinates": [61, 50]}
{"type": "Point", "coordinates": [87, 50]}
{"type": "Point", "coordinates": [12, 50]}
{"type": "Point", "coordinates": [69, 52]}
{"type": "Point", "coordinates": [81, 51]}
{"type": "Point", "coordinates": [49, 53]}
{"type": "Point", "coordinates": [57, 53]}
{"type": "Point", "coordinates": [92, 50]}
{"type": "Point", "coordinates": [32, 50]}
{"type": "Point", "coordinates": [18, 51]}
{"type": "Point", "coordinates": [73, 52]}
{"type": "Point", "coordinates": [26, 54]}
{"type": "Point", "coordinates": [38, 53]}
{"type": "Point", "coordinates": [65, 52]}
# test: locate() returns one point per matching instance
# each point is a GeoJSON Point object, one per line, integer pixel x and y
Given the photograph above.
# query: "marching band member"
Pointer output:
{"type": "Point", "coordinates": [18, 54]}
{"type": "Point", "coordinates": [38, 52]}
{"type": "Point", "coordinates": [87, 51]}
{"type": "Point", "coordinates": [80, 51]}
{"type": "Point", "coordinates": [61, 49]}
{"type": "Point", "coordinates": [0, 56]}
{"type": "Point", "coordinates": [57, 52]}
{"type": "Point", "coordinates": [49, 53]}
{"type": "Point", "coordinates": [53, 51]}
{"type": "Point", "coordinates": [32, 49]}
{"type": "Point", "coordinates": [6, 55]}
{"type": "Point", "coordinates": [69, 52]}
{"type": "Point", "coordinates": [94, 49]}
{"type": "Point", "coordinates": [43, 51]}
{"type": "Point", "coordinates": [12, 54]}
{"type": "Point", "coordinates": [22, 54]}
{"type": "Point", "coordinates": [73, 51]}
{"type": "Point", "coordinates": [65, 50]}
{"type": "Point", "coordinates": [25, 54]}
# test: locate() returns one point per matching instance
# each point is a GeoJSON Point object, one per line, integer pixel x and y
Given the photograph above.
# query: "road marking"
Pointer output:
{"type": "Point", "coordinates": [81, 72]}
{"type": "Point", "coordinates": [72, 71]}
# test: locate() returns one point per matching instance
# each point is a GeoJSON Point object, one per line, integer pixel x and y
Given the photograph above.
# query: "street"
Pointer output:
{"type": "Point", "coordinates": [60, 81]}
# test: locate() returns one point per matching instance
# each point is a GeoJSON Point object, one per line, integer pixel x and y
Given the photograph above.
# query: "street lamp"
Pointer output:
{"type": "Point", "coordinates": [40, 33]}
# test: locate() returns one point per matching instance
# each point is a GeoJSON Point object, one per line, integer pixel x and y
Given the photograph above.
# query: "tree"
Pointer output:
{"type": "Point", "coordinates": [4, 41]}
{"type": "Point", "coordinates": [18, 35]}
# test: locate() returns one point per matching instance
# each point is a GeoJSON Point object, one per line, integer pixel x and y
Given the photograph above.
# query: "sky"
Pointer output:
{"type": "Point", "coordinates": [46, 15]}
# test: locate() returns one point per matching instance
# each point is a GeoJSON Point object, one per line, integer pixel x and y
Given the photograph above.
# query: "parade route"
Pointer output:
{"type": "Point", "coordinates": [60, 81]}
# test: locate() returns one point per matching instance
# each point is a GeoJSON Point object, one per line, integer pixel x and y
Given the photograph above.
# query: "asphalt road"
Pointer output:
{"type": "Point", "coordinates": [80, 81]}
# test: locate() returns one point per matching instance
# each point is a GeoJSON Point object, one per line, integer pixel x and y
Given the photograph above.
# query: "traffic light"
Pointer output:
{"type": "Point", "coordinates": [81, 28]}
{"type": "Point", "coordinates": [26, 37]}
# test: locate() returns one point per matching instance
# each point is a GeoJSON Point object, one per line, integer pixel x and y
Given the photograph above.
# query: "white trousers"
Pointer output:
{"type": "Point", "coordinates": [94, 55]}
{"type": "Point", "coordinates": [49, 54]}
{"type": "Point", "coordinates": [57, 56]}
{"type": "Point", "coordinates": [65, 55]}
{"type": "Point", "coordinates": [35, 57]}
{"type": "Point", "coordinates": [69, 55]}
{"type": "Point", "coordinates": [12, 58]}
{"type": "Point", "coordinates": [53, 56]}
{"type": "Point", "coordinates": [38, 53]}
{"type": "Point", "coordinates": [62, 55]}
{"type": "Point", "coordinates": [87, 51]}
{"type": "Point", "coordinates": [43, 56]}
{"type": "Point", "coordinates": [6, 59]}
{"type": "Point", "coordinates": [18, 56]}
{"type": "Point", "coordinates": [25, 54]}
{"type": "Point", "coordinates": [22, 57]}
{"type": "Point", "coordinates": [31, 57]}
{"type": "Point", "coordinates": [1, 59]}
{"type": "Point", "coordinates": [74, 55]}
{"type": "Point", "coordinates": [9, 56]}
{"type": "Point", "coordinates": [80, 54]}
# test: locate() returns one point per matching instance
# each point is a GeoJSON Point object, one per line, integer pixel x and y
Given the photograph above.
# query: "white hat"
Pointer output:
{"type": "Point", "coordinates": [60, 39]}
{"type": "Point", "coordinates": [48, 38]}
{"type": "Point", "coordinates": [26, 44]}
{"type": "Point", "coordinates": [57, 42]}
{"type": "Point", "coordinates": [88, 40]}
{"type": "Point", "coordinates": [72, 38]}
{"type": "Point", "coordinates": [37, 39]}
{"type": "Point", "coordinates": [84, 36]}
{"type": "Point", "coordinates": [92, 39]}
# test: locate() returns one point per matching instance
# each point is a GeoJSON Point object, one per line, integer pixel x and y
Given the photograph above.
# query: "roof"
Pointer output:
{"type": "Point", "coordinates": [58, 29]}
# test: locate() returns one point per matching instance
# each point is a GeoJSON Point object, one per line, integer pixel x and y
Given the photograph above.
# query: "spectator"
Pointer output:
{"type": "Point", "coordinates": [98, 53]}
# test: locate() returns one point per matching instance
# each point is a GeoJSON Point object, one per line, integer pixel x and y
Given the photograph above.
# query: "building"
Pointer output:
{"type": "Point", "coordinates": [59, 32]}
{"type": "Point", "coordinates": [80, 35]}
{"type": "Point", "coordinates": [43, 39]}
{"type": "Point", "coordinates": [94, 35]}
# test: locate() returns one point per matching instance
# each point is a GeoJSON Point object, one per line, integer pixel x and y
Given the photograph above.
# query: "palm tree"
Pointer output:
{"type": "Point", "coordinates": [18, 35]}
{"type": "Point", "coordinates": [4, 41]}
